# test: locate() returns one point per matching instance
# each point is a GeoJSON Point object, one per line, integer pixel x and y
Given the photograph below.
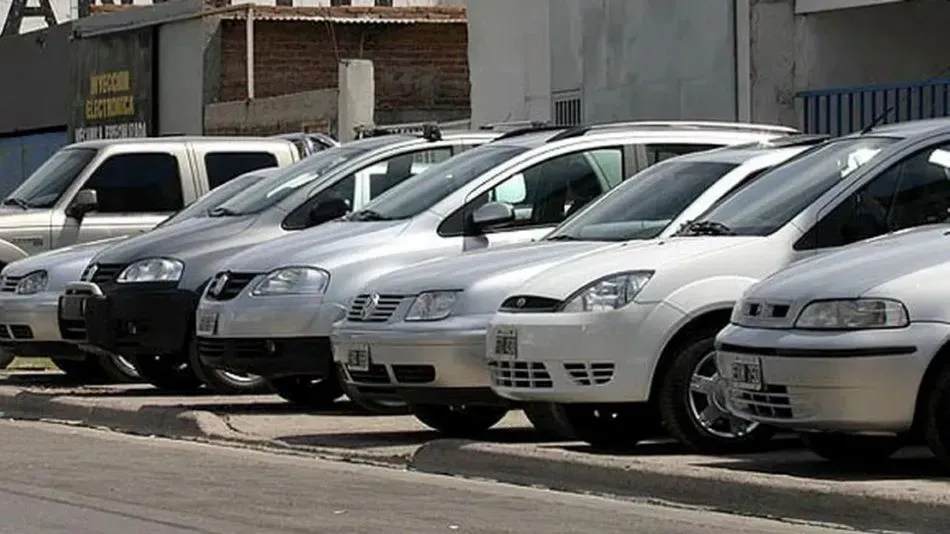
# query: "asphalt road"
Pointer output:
{"type": "Point", "coordinates": [58, 479]}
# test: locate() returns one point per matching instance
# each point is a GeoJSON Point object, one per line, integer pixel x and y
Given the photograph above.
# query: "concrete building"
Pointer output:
{"type": "Point", "coordinates": [809, 63]}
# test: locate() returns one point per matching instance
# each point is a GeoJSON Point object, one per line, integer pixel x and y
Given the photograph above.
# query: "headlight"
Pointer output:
{"type": "Point", "coordinates": [32, 283]}
{"type": "Point", "coordinates": [293, 281]}
{"type": "Point", "coordinates": [852, 314]}
{"type": "Point", "coordinates": [152, 270]}
{"type": "Point", "coordinates": [609, 293]}
{"type": "Point", "coordinates": [432, 306]}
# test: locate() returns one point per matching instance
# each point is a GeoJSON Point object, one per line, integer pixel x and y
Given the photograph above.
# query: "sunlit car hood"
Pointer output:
{"type": "Point", "coordinates": [564, 279]}
{"type": "Point", "coordinates": [877, 266]}
{"type": "Point", "coordinates": [80, 253]}
{"type": "Point", "coordinates": [325, 246]}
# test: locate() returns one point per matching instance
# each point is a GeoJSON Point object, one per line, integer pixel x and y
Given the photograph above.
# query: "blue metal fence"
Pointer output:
{"type": "Point", "coordinates": [843, 110]}
{"type": "Point", "coordinates": [21, 155]}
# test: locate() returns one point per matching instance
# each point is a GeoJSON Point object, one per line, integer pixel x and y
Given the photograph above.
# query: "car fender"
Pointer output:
{"type": "Point", "coordinates": [10, 253]}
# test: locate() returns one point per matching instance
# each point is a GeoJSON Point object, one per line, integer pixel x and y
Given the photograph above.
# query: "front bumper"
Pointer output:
{"type": "Point", "coordinates": [440, 362]}
{"type": "Point", "coordinates": [138, 319]}
{"type": "Point", "coordinates": [858, 381]}
{"type": "Point", "coordinates": [580, 357]}
{"type": "Point", "coordinates": [268, 357]}
{"type": "Point", "coordinates": [29, 327]}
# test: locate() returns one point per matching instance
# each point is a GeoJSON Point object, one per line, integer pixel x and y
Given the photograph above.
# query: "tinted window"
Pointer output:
{"type": "Point", "coordinates": [140, 182]}
{"type": "Point", "coordinates": [427, 188]}
{"type": "Point", "coordinates": [222, 166]}
{"type": "Point", "coordinates": [912, 193]}
{"type": "Point", "coordinates": [646, 204]}
{"type": "Point", "coordinates": [780, 194]}
{"type": "Point", "coordinates": [48, 182]}
{"type": "Point", "coordinates": [658, 153]}
{"type": "Point", "coordinates": [391, 172]}
{"type": "Point", "coordinates": [299, 218]}
{"type": "Point", "coordinates": [211, 199]}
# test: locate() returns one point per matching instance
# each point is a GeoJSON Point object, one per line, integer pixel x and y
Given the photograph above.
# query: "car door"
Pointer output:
{"type": "Point", "coordinates": [135, 192]}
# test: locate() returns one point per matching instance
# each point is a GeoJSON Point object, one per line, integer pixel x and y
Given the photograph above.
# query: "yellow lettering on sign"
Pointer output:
{"type": "Point", "coordinates": [110, 82]}
{"type": "Point", "coordinates": [108, 108]}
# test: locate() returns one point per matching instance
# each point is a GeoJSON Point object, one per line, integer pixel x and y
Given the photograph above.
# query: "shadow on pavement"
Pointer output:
{"type": "Point", "coordinates": [664, 446]}
{"type": "Point", "coordinates": [44, 379]}
{"type": "Point", "coordinates": [280, 407]}
{"type": "Point", "coordinates": [363, 440]}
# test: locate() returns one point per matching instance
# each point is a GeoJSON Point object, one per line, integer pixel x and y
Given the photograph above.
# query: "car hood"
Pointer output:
{"type": "Point", "coordinates": [564, 279]}
{"type": "Point", "coordinates": [485, 276]}
{"type": "Point", "coordinates": [80, 253]}
{"type": "Point", "coordinates": [184, 241]}
{"type": "Point", "coordinates": [324, 246]}
{"type": "Point", "coordinates": [864, 267]}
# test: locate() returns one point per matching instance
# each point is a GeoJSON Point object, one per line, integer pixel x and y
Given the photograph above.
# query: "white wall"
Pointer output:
{"type": "Point", "coordinates": [180, 80]}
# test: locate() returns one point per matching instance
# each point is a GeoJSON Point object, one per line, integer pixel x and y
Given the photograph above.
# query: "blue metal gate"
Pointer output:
{"type": "Point", "coordinates": [21, 155]}
{"type": "Point", "coordinates": [844, 110]}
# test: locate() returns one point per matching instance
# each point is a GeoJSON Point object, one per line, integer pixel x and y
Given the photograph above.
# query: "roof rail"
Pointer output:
{"type": "Point", "coordinates": [578, 131]}
{"type": "Point", "coordinates": [528, 130]}
{"type": "Point", "coordinates": [795, 140]}
{"type": "Point", "coordinates": [513, 125]}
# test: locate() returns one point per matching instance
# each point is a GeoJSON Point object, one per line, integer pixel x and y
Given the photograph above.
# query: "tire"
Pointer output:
{"type": "Point", "coordinates": [696, 415]}
{"type": "Point", "coordinates": [225, 382]}
{"type": "Point", "coordinates": [549, 420]}
{"type": "Point", "coordinates": [458, 421]}
{"type": "Point", "coordinates": [308, 392]}
{"type": "Point", "coordinates": [168, 373]}
{"type": "Point", "coordinates": [85, 371]}
{"type": "Point", "coordinates": [936, 417]}
{"type": "Point", "coordinates": [610, 426]}
{"type": "Point", "coordinates": [376, 406]}
{"type": "Point", "coordinates": [848, 449]}
{"type": "Point", "coordinates": [6, 359]}
{"type": "Point", "coordinates": [120, 370]}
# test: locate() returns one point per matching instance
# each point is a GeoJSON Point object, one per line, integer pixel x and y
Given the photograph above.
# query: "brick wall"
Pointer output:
{"type": "Point", "coordinates": [417, 66]}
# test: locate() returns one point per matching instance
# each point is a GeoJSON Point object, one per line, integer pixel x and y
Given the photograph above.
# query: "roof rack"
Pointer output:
{"type": "Point", "coordinates": [578, 131]}
{"type": "Point", "coordinates": [528, 130]}
{"type": "Point", "coordinates": [513, 125]}
{"type": "Point", "coordinates": [794, 140]}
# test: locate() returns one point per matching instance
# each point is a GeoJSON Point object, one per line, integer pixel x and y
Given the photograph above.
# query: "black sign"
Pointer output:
{"type": "Point", "coordinates": [113, 80]}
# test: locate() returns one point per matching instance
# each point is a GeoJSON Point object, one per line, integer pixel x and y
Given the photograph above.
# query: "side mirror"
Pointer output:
{"type": "Point", "coordinates": [327, 210]}
{"type": "Point", "coordinates": [85, 201]}
{"type": "Point", "coordinates": [492, 214]}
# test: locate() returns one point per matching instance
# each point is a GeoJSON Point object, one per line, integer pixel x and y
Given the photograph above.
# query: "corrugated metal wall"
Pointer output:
{"type": "Point", "coordinates": [20, 156]}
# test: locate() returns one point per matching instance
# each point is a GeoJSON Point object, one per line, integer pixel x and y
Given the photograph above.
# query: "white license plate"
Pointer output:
{"type": "Point", "coordinates": [357, 358]}
{"type": "Point", "coordinates": [746, 373]}
{"type": "Point", "coordinates": [208, 323]}
{"type": "Point", "coordinates": [506, 343]}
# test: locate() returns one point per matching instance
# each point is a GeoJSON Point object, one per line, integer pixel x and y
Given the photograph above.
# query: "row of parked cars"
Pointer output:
{"type": "Point", "coordinates": [713, 281]}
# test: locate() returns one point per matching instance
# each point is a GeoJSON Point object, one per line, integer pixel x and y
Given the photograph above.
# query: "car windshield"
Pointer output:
{"type": "Point", "coordinates": [278, 186]}
{"type": "Point", "coordinates": [426, 189]}
{"type": "Point", "coordinates": [201, 206]}
{"type": "Point", "coordinates": [778, 195]}
{"type": "Point", "coordinates": [645, 204]}
{"type": "Point", "coordinates": [48, 183]}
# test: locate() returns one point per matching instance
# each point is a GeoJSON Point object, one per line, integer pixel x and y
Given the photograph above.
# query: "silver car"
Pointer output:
{"type": "Point", "coordinates": [859, 360]}
{"type": "Point", "coordinates": [431, 353]}
{"type": "Point", "coordinates": [30, 289]}
{"type": "Point", "coordinates": [270, 310]}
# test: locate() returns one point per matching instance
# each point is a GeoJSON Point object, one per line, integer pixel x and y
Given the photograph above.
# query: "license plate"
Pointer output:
{"type": "Point", "coordinates": [357, 359]}
{"type": "Point", "coordinates": [208, 323]}
{"type": "Point", "coordinates": [506, 343]}
{"type": "Point", "coordinates": [72, 307]}
{"type": "Point", "coordinates": [747, 373]}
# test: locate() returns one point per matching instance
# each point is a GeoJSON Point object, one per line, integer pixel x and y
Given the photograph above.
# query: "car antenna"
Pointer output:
{"type": "Point", "coordinates": [897, 101]}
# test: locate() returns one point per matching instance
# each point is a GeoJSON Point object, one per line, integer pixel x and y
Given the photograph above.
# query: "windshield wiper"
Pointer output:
{"type": "Point", "coordinates": [706, 228]}
{"type": "Point", "coordinates": [222, 212]}
{"type": "Point", "coordinates": [368, 215]}
{"type": "Point", "coordinates": [13, 201]}
{"type": "Point", "coordinates": [562, 237]}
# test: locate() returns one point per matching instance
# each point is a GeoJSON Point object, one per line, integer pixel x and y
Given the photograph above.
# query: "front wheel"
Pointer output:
{"type": "Point", "coordinates": [458, 421]}
{"type": "Point", "coordinates": [225, 382]}
{"type": "Point", "coordinates": [849, 449]}
{"type": "Point", "coordinates": [309, 392]}
{"type": "Point", "coordinates": [610, 426]}
{"type": "Point", "coordinates": [936, 417]}
{"type": "Point", "coordinates": [549, 420]}
{"type": "Point", "coordinates": [376, 406]}
{"type": "Point", "coordinates": [692, 403]}
{"type": "Point", "coordinates": [167, 372]}
{"type": "Point", "coordinates": [85, 371]}
{"type": "Point", "coordinates": [6, 359]}
{"type": "Point", "coordinates": [119, 369]}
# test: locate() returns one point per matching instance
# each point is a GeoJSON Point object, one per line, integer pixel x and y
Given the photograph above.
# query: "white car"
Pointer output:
{"type": "Point", "coordinates": [624, 338]}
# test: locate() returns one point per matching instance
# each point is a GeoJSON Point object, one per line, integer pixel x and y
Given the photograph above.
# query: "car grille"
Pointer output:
{"type": "Point", "coordinates": [384, 308]}
{"type": "Point", "coordinates": [239, 348]}
{"type": "Point", "coordinates": [375, 375]}
{"type": "Point", "coordinates": [773, 402]}
{"type": "Point", "coordinates": [529, 304]}
{"type": "Point", "coordinates": [590, 374]}
{"type": "Point", "coordinates": [531, 375]}
{"type": "Point", "coordinates": [104, 272]}
{"type": "Point", "coordinates": [16, 331]}
{"type": "Point", "coordinates": [235, 283]}
{"type": "Point", "coordinates": [8, 283]}
{"type": "Point", "coordinates": [414, 374]}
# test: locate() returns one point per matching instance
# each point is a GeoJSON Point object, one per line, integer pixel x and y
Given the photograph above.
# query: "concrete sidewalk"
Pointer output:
{"type": "Point", "coordinates": [901, 495]}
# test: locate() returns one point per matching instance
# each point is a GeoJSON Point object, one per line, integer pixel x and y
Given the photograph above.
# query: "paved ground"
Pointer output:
{"type": "Point", "coordinates": [901, 495]}
{"type": "Point", "coordinates": [56, 479]}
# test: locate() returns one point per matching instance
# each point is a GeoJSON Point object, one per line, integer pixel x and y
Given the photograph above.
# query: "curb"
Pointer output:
{"type": "Point", "coordinates": [716, 489]}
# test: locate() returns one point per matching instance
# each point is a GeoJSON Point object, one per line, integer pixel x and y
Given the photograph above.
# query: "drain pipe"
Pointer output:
{"type": "Point", "coordinates": [249, 49]}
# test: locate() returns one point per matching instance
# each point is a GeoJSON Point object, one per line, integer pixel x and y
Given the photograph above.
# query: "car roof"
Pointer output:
{"type": "Point", "coordinates": [742, 153]}
{"type": "Point", "coordinates": [910, 128]}
{"type": "Point", "coordinates": [102, 143]}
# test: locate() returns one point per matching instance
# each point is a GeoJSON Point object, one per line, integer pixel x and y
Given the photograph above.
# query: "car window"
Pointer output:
{"type": "Point", "coordinates": [661, 152]}
{"type": "Point", "coordinates": [544, 194]}
{"type": "Point", "coordinates": [223, 166]}
{"type": "Point", "coordinates": [142, 182]}
{"type": "Point", "coordinates": [391, 172]}
{"type": "Point", "coordinates": [609, 165]}
{"type": "Point", "coordinates": [645, 204]}
{"type": "Point", "coordinates": [51, 179]}
{"type": "Point", "coordinates": [778, 195]}
{"type": "Point", "coordinates": [911, 193]}
{"type": "Point", "coordinates": [213, 198]}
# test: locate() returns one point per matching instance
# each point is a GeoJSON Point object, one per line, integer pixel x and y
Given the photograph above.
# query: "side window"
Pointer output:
{"type": "Point", "coordinates": [912, 193]}
{"type": "Point", "coordinates": [223, 166]}
{"type": "Point", "coordinates": [548, 192]}
{"type": "Point", "coordinates": [388, 173]}
{"type": "Point", "coordinates": [138, 183]}
{"type": "Point", "coordinates": [658, 153]}
{"type": "Point", "coordinates": [299, 218]}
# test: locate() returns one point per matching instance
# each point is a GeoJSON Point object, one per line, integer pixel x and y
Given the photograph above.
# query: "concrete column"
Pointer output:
{"type": "Point", "coordinates": [356, 97]}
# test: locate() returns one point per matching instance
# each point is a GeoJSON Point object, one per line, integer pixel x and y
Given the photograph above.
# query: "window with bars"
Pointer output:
{"type": "Point", "coordinates": [384, 3]}
{"type": "Point", "coordinates": [341, 2]}
{"type": "Point", "coordinates": [568, 108]}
